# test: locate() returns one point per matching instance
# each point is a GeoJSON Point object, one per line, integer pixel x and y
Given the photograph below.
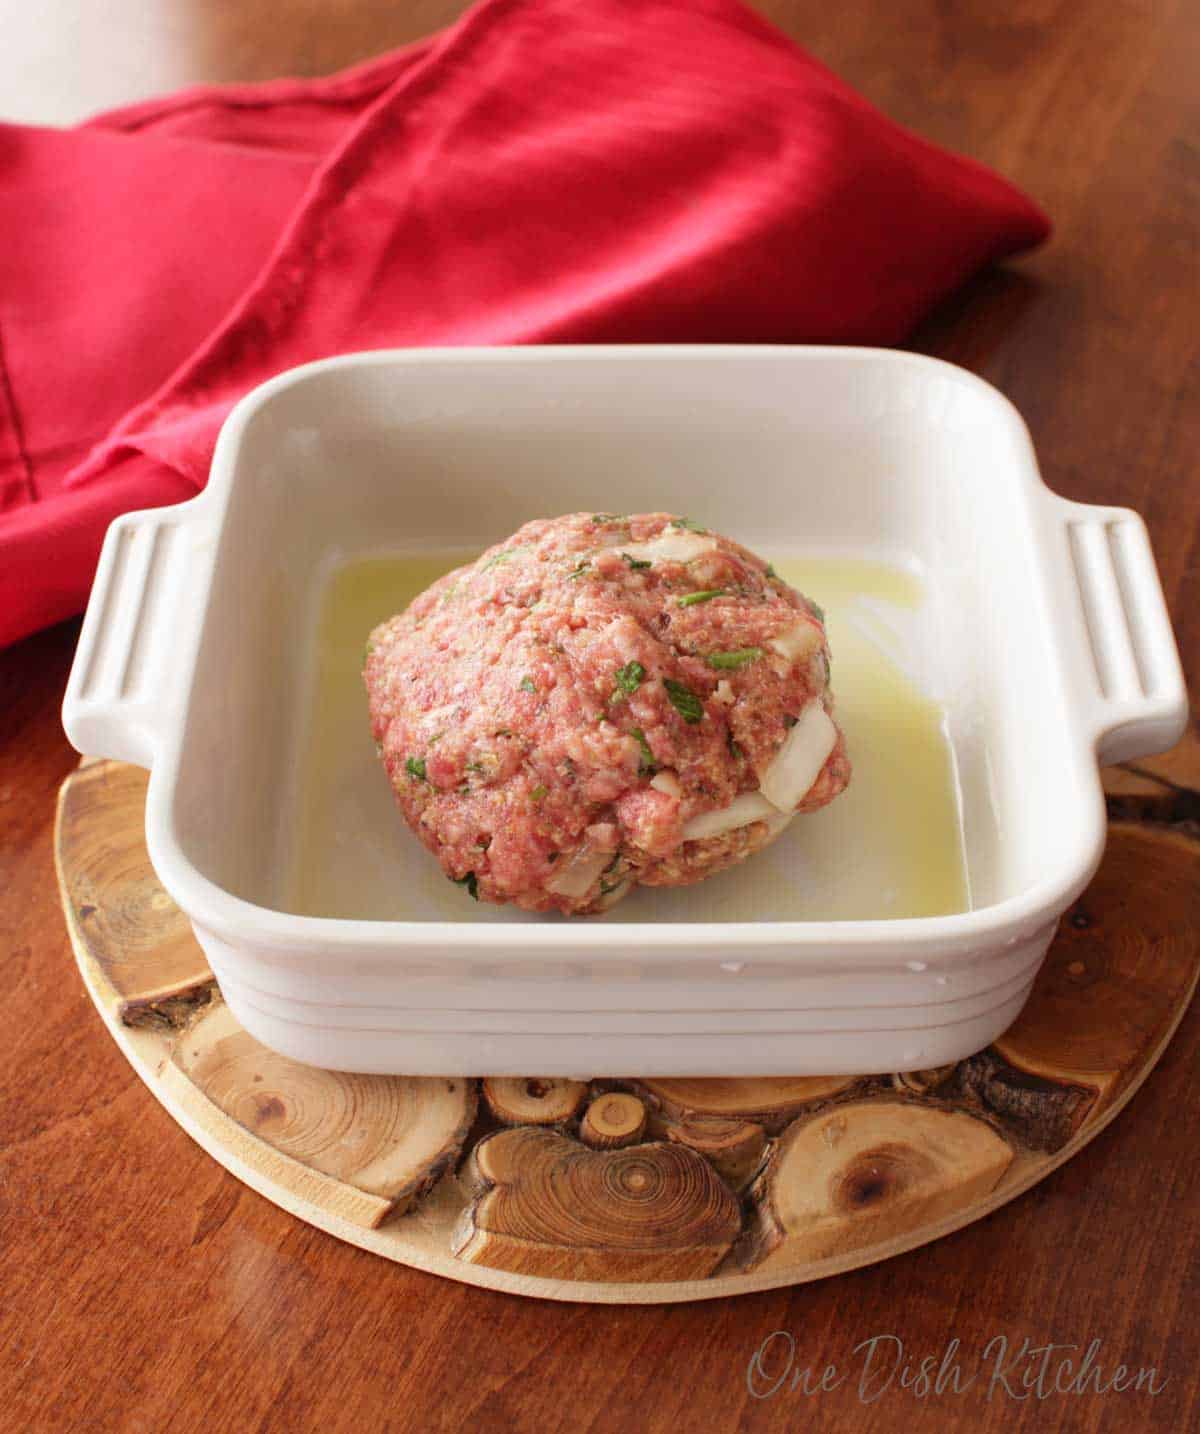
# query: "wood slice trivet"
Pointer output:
{"type": "Point", "coordinates": [680, 1189]}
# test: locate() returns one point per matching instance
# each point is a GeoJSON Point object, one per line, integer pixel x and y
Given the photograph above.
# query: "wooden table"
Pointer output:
{"type": "Point", "coordinates": [143, 1288]}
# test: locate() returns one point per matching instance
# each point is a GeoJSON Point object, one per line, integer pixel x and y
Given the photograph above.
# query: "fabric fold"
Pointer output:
{"type": "Point", "coordinates": [544, 171]}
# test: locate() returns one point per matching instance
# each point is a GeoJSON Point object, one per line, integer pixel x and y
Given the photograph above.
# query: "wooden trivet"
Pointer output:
{"type": "Point", "coordinates": [646, 1191]}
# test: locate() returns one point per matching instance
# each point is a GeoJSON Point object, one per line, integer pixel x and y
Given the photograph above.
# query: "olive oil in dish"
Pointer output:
{"type": "Point", "coordinates": [890, 846]}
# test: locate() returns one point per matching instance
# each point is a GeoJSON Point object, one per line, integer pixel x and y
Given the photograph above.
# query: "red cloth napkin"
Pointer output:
{"type": "Point", "coordinates": [545, 170]}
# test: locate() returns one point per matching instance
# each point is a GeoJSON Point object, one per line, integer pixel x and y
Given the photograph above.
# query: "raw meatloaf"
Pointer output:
{"type": "Point", "coordinates": [601, 702]}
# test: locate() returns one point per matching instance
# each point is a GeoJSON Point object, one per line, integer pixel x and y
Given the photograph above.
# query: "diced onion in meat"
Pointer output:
{"type": "Point", "coordinates": [749, 807]}
{"type": "Point", "coordinates": [797, 642]}
{"type": "Point", "coordinates": [579, 873]}
{"type": "Point", "coordinates": [667, 783]}
{"type": "Point", "coordinates": [797, 764]}
{"type": "Point", "coordinates": [671, 548]}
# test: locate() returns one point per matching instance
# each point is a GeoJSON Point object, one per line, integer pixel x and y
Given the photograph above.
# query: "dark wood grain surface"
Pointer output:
{"type": "Point", "coordinates": [143, 1288]}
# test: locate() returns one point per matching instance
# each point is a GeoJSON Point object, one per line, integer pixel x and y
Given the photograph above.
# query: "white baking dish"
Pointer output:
{"type": "Point", "coordinates": [1048, 641]}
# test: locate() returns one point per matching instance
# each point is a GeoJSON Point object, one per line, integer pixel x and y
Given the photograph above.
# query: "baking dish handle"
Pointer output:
{"type": "Point", "coordinates": [124, 684]}
{"type": "Point", "coordinates": [1126, 662]}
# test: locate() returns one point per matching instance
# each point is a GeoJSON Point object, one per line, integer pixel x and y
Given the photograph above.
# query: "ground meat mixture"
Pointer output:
{"type": "Point", "coordinates": [602, 701]}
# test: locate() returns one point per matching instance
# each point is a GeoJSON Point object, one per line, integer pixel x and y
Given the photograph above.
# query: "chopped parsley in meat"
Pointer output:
{"type": "Point", "coordinates": [684, 700]}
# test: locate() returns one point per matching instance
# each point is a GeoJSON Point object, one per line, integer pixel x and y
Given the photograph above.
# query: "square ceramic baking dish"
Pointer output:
{"type": "Point", "coordinates": [1048, 644]}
